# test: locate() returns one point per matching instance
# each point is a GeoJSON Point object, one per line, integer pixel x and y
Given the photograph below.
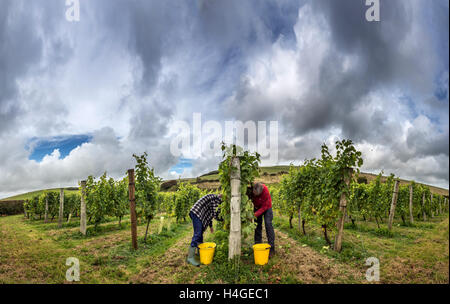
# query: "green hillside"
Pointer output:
{"type": "Point", "coordinates": [28, 195]}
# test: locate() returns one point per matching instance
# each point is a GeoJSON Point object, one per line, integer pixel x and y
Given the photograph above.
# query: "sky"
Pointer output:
{"type": "Point", "coordinates": [79, 98]}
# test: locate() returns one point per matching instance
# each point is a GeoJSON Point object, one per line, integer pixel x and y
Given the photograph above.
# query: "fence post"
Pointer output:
{"type": "Point", "coordinates": [423, 206]}
{"type": "Point", "coordinates": [83, 208]}
{"type": "Point", "coordinates": [393, 204]}
{"type": "Point", "coordinates": [61, 207]}
{"type": "Point", "coordinates": [343, 209]}
{"type": "Point", "coordinates": [131, 189]}
{"type": "Point", "coordinates": [440, 206]}
{"type": "Point", "coordinates": [411, 218]}
{"type": "Point", "coordinates": [234, 248]}
{"type": "Point", "coordinates": [46, 209]}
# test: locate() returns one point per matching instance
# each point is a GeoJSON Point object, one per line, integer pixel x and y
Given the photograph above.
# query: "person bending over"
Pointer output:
{"type": "Point", "coordinates": [262, 202]}
{"type": "Point", "coordinates": [202, 214]}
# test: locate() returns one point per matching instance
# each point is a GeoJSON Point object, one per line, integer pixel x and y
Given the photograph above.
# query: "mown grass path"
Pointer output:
{"type": "Point", "coordinates": [33, 252]}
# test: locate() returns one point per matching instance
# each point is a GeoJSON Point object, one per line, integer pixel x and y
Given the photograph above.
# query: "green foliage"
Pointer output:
{"type": "Point", "coordinates": [359, 196]}
{"type": "Point", "coordinates": [327, 182]}
{"type": "Point", "coordinates": [402, 208]}
{"type": "Point", "coordinates": [11, 207]}
{"type": "Point", "coordinates": [293, 190]}
{"type": "Point", "coordinates": [118, 194]}
{"type": "Point", "coordinates": [35, 206]}
{"type": "Point", "coordinates": [97, 199]}
{"type": "Point", "coordinates": [315, 188]}
{"type": "Point", "coordinates": [72, 204]}
{"type": "Point", "coordinates": [186, 196]}
{"type": "Point", "coordinates": [105, 197]}
{"type": "Point", "coordinates": [147, 187]}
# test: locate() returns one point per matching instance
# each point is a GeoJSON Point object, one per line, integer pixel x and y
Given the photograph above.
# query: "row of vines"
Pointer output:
{"type": "Point", "coordinates": [313, 193]}
{"type": "Point", "coordinates": [108, 199]}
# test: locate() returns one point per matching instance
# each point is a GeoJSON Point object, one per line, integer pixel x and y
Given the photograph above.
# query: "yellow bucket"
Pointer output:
{"type": "Point", "coordinates": [261, 253]}
{"type": "Point", "coordinates": [206, 252]}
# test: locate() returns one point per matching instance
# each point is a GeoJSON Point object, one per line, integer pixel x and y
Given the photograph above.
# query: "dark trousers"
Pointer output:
{"type": "Point", "coordinates": [268, 217]}
{"type": "Point", "coordinates": [198, 230]}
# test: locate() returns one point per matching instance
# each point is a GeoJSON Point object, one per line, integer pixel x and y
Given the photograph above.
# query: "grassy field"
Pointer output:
{"type": "Point", "coordinates": [34, 252]}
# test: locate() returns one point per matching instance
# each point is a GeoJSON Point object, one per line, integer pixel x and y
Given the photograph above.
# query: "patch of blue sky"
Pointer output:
{"type": "Point", "coordinates": [441, 83]}
{"type": "Point", "coordinates": [441, 93]}
{"type": "Point", "coordinates": [40, 147]}
{"type": "Point", "coordinates": [413, 112]}
{"type": "Point", "coordinates": [183, 164]}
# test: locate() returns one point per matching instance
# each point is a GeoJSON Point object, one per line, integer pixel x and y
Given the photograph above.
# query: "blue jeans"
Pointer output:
{"type": "Point", "coordinates": [268, 217]}
{"type": "Point", "coordinates": [198, 230]}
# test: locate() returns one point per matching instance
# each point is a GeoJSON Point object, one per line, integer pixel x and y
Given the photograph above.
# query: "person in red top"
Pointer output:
{"type": "Point", "coordinates": [262, 201]}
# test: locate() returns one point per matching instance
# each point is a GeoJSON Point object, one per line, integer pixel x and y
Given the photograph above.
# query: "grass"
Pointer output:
{"type": "Point", "coordinates": [34, 252]}
{"type": "Point", "coordinates": [416, 253]}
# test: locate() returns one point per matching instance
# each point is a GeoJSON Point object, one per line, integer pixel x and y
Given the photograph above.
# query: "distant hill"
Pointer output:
{"type": "Point", "coordinates": [269, 175]}
{"type": "Point", "coordinates": [28, 195]}
{"type": "Point", "coordinates": [272, 175]}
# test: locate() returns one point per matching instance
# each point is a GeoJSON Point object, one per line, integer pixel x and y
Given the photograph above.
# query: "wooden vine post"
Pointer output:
{"type": "Point", "coordinates": [83, 208]}
{"type": "Point", "coordinates": [61, 207]}
{"type": "Point", "coordinates": [440, 206]}
{"type": "Point", "coordinates": [46, 210]}
{"type": "Point", "coordinates": [411, 218]}
{"type": "Point", "coordinates": [431, 201]}
{"type": "Point", "coordinates": [234, 248]}
{"type": "Point", "coordinates": [343, 209]}
{"type": "Point", "coordinates": [423, 206]}
{"type": "Point", "coordinates": [393, 204]}
{"type": "Point", "coordinates": [132, 208]}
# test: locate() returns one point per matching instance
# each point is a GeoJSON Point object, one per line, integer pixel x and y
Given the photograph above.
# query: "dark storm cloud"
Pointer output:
{"type": "Point", "coordinates": [149, 30]}
{"type": "Point", "coordinates": [426, 144]}
{"type": "Point", "coordinates": [381, 63]}
{"type": "Point", "coordinates": [243, 24]}
{"type": "Point", "coordinates": [20, 49]}
{"type": "Point", "coordinates": [28, 37]}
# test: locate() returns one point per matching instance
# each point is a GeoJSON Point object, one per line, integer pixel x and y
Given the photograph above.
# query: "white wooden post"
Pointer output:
{"type": "Point", "coordinates": [393, 204]}
{"type": "Point", "coordinates": [61, 207]}
{"type": "Point", "coordinates": [83, 208]}
{"type": "Point", "coordinates": [423, 206]}
{"type": "Point", "coordinates": [234, 248]}
{"type": "Point", "coordinates": [46, 209]}
{"type": "Point", "coordinates": [411, 218]}
{"type": "Point", "coordinates": [343, 209]}
{"type": "Point", "coordinates": [440, 206]}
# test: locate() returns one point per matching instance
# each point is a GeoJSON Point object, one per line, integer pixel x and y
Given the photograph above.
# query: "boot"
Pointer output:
{"type": "Point", "coordinates": [197, 252]}
{"type": "Point", "coordinates": [271, 253]}
{"type": "Point", "coordinates": [191, 257]}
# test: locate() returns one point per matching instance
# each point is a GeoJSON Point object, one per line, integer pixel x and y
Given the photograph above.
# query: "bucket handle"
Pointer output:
{"type": "Point", "coordinates": [265, 248]}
